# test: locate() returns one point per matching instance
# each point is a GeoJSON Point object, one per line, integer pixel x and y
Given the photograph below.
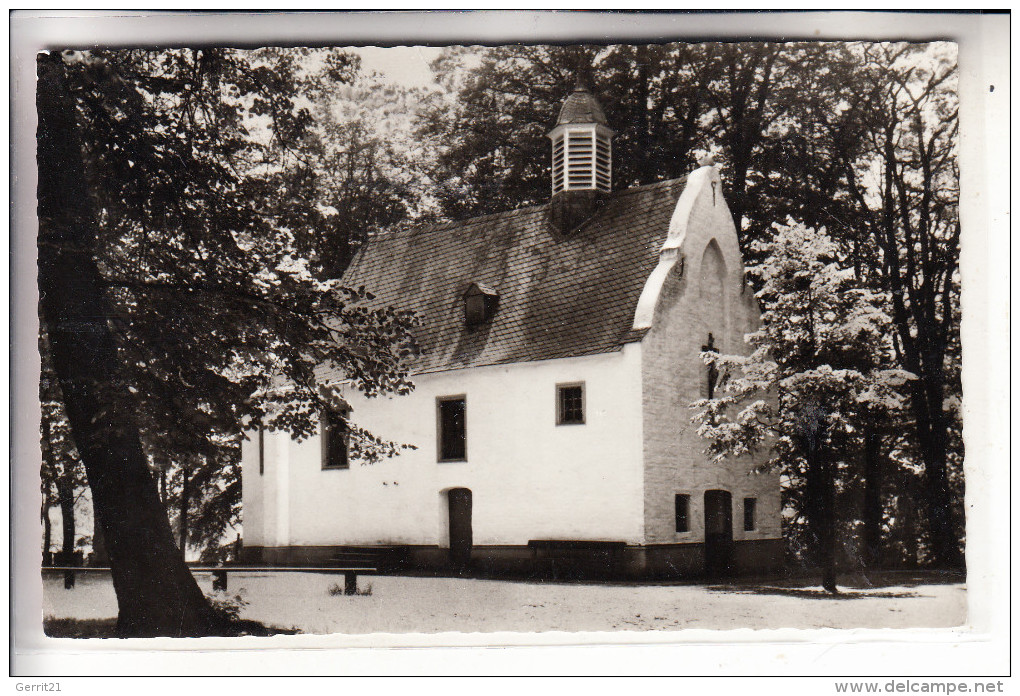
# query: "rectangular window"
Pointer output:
{"type": "Point", "coordinates": [262, 450]}
{"type": "Point", "coordinates": [682, 509]}
{"type": "Point", "coordinates": [474, 309]}
{"type": "Point", "coordinates": [570, 404]}
{"type": "Point", "coordinates": [749, 508]}
{"type": "Point", "coordinates": [452, 427]}
{"type": "Point", "coordinates": [334, 440]}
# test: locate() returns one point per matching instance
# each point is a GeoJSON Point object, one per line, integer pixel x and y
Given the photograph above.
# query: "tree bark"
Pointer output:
{"type": "Point", "coordinates": [100, 559]}
{"type": "Point", "coordinates": [47, 534]}
{"type": "Point", "coordinates": [821, 511]}
{"type": "Point", "coordinates": [872, 551]}
{"type": "Point", "coordinates": [65, 497]}
{"type": "Point", "coordinates": [185, 501]}
{"type": "Point", "coordinates": [156, 593]}
{"type": "Point", "coordinates": [907, 513]}
{"type": "Point", "coordinates": [932, 436]}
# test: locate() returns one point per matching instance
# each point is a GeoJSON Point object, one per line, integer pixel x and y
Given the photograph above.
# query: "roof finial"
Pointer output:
{"type": "Point", "coordinates": [582, 70]}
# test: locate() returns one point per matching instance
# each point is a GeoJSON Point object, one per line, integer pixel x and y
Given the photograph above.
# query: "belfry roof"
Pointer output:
{"type": "Point", "coordinates": [581, 107]}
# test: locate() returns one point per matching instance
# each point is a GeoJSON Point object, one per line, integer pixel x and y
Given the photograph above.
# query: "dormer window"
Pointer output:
{"type": "Point", "coordinates": [480, 304]}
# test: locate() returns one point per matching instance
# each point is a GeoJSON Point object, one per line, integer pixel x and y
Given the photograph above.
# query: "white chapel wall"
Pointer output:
{"type": "Point", "coordinates": [530, 478]}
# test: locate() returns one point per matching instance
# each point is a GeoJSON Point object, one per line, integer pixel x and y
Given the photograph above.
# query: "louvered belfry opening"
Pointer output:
{"type": "Point", "coordinates": [582, 160]}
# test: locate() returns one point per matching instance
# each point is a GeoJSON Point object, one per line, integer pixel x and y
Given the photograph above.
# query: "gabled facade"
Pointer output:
{"type": "Point", "coordinates": [551, 411]}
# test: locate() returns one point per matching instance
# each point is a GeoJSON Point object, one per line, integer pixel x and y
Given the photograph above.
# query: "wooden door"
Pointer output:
{"type": "Point", "coordinates": [718, 533]}
{"type": "Point", "coordinates": [460, 526]}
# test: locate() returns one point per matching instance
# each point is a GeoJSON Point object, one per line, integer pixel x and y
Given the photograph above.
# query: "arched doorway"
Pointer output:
{"type": "Point", "coordinates": [718, 533]}
{"type": "Point", "coordinates": [459, 506]}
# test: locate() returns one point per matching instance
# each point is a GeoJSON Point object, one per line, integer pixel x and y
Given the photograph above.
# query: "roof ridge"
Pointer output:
{"type": "Point", "coordinates": [644, 187]}
{"type": "Point", "coordinates": [460, 222]}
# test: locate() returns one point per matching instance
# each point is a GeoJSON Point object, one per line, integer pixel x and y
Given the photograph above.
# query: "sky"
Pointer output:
{"type": "Point", "coordinates": [407, 66]}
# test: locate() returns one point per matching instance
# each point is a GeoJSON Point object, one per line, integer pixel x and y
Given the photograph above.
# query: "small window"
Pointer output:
{"type": "Point", "coordinates": [334, 440]}
{"type": "Point", "coordinates": [570, 404]}
{"type": "Point", "coordinates": [262, 450]}
{"type": "Point", "coordinates": [682, 511]}
{"type": "Point", "coordinates": [749, 511]}
{"type": "Point", "coordinates": [480, 304]}
{"type": "Point", "coordinates": [452, 426]}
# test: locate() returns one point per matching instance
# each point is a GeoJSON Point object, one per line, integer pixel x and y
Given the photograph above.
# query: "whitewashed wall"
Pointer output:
{"type": "Point", "coordinates": [530, 478]}
{"type": "Point", "coordinates": [698, 288]}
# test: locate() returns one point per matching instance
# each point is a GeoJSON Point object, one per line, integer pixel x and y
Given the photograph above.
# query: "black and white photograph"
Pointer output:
{"type": "Point", "coordinates": [632, 336]}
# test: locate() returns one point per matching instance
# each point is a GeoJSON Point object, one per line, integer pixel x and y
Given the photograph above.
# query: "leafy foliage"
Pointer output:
{"type": "Point", "coordinates": [201, 167]}
{"type": "Point", "coordinates": [761, 106]}
{"type": "Point", "coordinates": [816, 378]}
{"type": "Point", "coordinates": [62, 476]}
{"type": "Point", "coordinates": [854, 137]}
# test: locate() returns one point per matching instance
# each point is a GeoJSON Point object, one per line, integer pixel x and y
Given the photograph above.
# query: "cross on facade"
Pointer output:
{"type": "Point", "coordinates": [713, 371]}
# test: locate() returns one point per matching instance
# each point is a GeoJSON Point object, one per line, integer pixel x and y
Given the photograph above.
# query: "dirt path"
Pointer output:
{"type": "Point", "coordinates": [427, 605]}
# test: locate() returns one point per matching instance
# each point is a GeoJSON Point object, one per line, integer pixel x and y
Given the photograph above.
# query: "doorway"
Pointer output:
{"type": "Point", "coordinates": [459, 505]}
{"type": "Point", "coordinates": [718, 533]}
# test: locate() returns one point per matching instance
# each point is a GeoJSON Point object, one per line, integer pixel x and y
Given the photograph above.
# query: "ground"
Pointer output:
{"type": "Point", "coordinates": [426, 605]}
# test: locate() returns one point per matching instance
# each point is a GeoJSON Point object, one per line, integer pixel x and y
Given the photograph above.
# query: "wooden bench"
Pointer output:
{"type": "Point", "coordinates": [220, 573]}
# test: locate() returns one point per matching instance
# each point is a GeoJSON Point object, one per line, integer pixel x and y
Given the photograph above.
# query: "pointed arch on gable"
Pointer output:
{"type": "Point", "coordinates": [712, 286]}
{"type": "Point", "coordinates": [712, 269]}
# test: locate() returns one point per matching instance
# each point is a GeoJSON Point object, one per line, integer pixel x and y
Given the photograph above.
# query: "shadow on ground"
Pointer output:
{"type": "Point", "coordinates": [808, 593]}
{"type": "Point", "coordinates": [107, 628]}
{"type": "Point", "coordinates": [854, 586]}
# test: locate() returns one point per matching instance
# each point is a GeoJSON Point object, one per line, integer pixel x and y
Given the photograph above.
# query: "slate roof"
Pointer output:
{"type": "Point", "coordinates": [581, 107]}
{"type": "Point", "coordinates": [559, 296]}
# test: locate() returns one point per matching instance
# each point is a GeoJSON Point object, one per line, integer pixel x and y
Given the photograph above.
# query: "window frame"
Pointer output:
{"type": "Point", "coordinates": [327, 429]}
{"type": "Point", "coordinates": [262, 450]}
{"type": "Point", "coordinates": [488, 300]}
{"type": "Point", "coordinates": [440, 400]}
{"type": "Point", "coordinates": [474, 318]}
{"type": "Point", "coordinates": [686, 497]}
{"type": "Point", "coordinates": [560, 387]}
{"type": "Point", "coordinates": [753, 519]}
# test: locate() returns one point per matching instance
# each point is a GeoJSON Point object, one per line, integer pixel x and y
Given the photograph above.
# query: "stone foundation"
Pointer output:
{"type": "Point", "coordinates": [545, 560]}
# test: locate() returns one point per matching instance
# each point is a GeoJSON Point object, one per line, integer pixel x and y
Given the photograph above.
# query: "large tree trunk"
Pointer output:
{"type": "Point", "coordinates": [873, 510]}
{"type": "Point", "coordinates": [65, 497]}
{"type": "Point", "coordinates": [185, 503]}
{"type": "Point", "coordinates": [821, 510]}
{"type": "Point", "coordinates": [906, 513]}
{"type": "Point", "coordinates": [99, 559]}
{"type": "Point", "coordinates": [47, 534]}
{"type": "Point", "coordinates": [156, 594]}
{"type": "Point", "coordinates": [932, 435]}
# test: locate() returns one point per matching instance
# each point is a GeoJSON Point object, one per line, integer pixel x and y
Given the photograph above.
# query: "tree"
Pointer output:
{"type": "Point", "coordinates": [369, 175]}
{"type": "Point", "coordinates": [178, 307]}
{"type": "Point", "coordinates": [854, 137]}
{"type": "Point", "coordinates": [815, 377]}
{"type": "Point", "coordinates": [910, 217]}
{"type": "Point", "coordinates": [752, 102]}
{"type": "Point", "coordinates": [62, 477]}
{"type": "Point", "coordinates": [203, 499]}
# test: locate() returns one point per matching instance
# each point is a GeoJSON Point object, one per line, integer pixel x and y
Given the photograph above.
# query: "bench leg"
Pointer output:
{"type": "Point", "coordinates": [68, 579]}
{"type": "Point", "coordinates": [350, 583]}
{"type": "Point", "coordinates": [219, 580]}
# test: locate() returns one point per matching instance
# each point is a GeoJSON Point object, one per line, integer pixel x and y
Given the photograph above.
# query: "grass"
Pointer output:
{"type": "Point", "coordinates": [107, 628]}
